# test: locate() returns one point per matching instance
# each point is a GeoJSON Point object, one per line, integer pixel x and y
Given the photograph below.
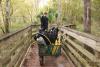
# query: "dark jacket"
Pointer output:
{"type": "Point", "coordinates": [44, 22]}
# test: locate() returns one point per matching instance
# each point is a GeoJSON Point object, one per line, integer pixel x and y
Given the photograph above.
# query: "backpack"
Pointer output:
{"type": "Point", "coordinates": [53, 33]}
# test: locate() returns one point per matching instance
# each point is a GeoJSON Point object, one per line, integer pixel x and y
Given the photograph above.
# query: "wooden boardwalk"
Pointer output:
{"type": "Point", "coordinates": [78, 46]}
{"type": "Point", "coordinates": [32, 60]}
{"type": "Point", "coordinates": [60, 61]}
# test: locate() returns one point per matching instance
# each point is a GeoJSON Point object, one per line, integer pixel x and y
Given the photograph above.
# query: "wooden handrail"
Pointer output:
{"type": "Point", "coordinates": [85, 38]}
{"type": "Point", "coordinates": [13, 33]}
{"type": "Point", "coordinates": [78, 45]}
{"type": "Point", "coordinates": [13, 46]}
{"type": "Point", "coordinates": [83, 34]}
{"type": "Point", "coordinates": [70, 26]}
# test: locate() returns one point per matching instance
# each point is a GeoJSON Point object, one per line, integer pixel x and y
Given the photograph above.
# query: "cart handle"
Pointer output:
{"type": "Point", "coordinates": [46, 38]}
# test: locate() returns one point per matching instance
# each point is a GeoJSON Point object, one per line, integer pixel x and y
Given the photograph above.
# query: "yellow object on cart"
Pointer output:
{"type": "Point", "coordinates": [56, 46]}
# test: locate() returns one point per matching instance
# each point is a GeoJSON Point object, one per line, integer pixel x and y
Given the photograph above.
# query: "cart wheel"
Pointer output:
{"type": "Point", "coordinates": [42, 60]}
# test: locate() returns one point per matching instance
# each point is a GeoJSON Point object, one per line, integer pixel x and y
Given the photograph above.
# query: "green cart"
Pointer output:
{"type": "Point", "coordinates": [48, 50]}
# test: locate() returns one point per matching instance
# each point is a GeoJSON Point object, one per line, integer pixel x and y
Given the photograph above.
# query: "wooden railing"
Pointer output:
{"type": "Point", "coordinates": [72, 26]}
{"type": "Point", "coordinates": [83, 49]}
{"type": "Point", "coordinates": [14, 46]}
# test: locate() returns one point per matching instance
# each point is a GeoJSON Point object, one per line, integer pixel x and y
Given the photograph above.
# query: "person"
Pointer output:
{"type": "Point", "coordinates": [44, 22]}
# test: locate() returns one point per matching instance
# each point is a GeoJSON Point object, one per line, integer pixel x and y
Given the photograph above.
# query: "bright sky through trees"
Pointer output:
{"type": "Point", "coordinates": [43, 3]}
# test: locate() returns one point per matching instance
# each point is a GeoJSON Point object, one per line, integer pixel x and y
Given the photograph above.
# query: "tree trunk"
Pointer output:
{"type": "Point", "coordinates": [87, 20]}
{"type": "Point", "coordinates": [7, 16]}
{"type": "Point", "coordinates": [59, 19]}
{"type": "Point", "coordinates": [0, 1]}
{"type": "Point", "coordinates": [87, 16]}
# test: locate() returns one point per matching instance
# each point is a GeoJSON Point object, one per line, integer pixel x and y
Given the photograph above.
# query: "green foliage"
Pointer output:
{"type": "Point", "coordinates": [96, 10]}
{"type": "Point", "coordinates": [95, 17]}
{"type": "Point", "coordinates": [52, 15]}
{"type": "Point", "coordinates": [73, 12]}
{"type": "Point", "coordinates": [22, 12]}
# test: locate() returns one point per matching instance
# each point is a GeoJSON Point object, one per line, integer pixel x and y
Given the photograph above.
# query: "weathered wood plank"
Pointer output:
{"type": "Point", "coordinates": [89, 42]}
{"type": "Point", "coordinates": [83, 34]}
{"type": "Point", "coordinates": [13, 43]}
{"type": "Point", "coordinates": [8, 57]}
{"type": "Point", "coordinates": [14, 59]}
{"type": "Point", "coordinates": [14, 33]}
{"type": "Point", "coordinates": [82, 50]}
{"type": "Point", "coordinates": [80, 58]}
{"type": "Point", "coordinates": [72, 58]}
